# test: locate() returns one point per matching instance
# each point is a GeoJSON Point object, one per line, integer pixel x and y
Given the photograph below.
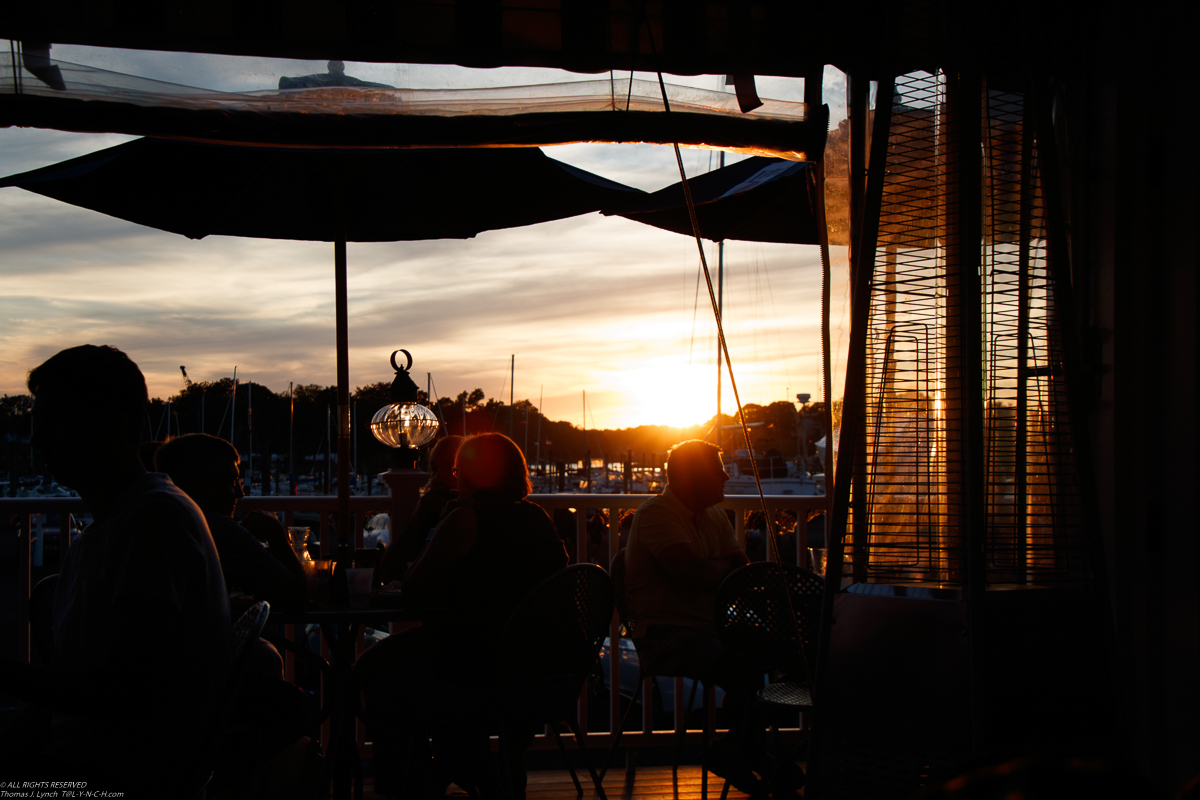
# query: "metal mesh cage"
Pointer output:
{"type": "Point", "coordinates": [909, 486]}
{"type": "Point", "coordinates": [1034, 509]}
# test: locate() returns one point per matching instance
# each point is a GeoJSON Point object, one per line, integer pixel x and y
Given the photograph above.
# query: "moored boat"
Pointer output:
{"type": "Point", "coordinates": [779, 476]}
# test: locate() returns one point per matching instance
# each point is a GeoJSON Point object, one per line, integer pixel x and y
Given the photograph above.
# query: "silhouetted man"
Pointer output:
{"type": "Point", "coordinates": [681, 546]}
{"type": "Point", "coordinates": [141, 617]}
{"type": "Point", "coordinates": [206, 468]}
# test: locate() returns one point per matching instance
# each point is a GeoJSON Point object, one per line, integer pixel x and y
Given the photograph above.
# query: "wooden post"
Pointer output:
{"type": "Point", "coordinates": [404, 485]}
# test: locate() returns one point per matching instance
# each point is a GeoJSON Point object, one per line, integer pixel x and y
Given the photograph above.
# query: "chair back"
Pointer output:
{"type": "Point", "coordinates": [756, 620]}
{"type": "Point", "coordinates": [553, 637]}
{"type": "Point", "coordinates": [41, 618]}
{"type": "Point", "coordinates": [244, 633]}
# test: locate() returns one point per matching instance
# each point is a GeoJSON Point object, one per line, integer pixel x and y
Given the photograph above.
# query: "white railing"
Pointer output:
{"type": "Point", "coordinates": [612, 505]}
{"type": "Point", "coordinates": [23, 511]}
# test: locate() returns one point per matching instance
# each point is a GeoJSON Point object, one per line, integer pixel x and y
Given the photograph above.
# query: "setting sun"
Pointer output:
{"type": "Point", "coordinates": [668, 392]}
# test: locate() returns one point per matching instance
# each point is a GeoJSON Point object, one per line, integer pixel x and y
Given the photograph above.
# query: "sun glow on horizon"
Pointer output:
{"type": "Point", "coordinates": [667, 392]}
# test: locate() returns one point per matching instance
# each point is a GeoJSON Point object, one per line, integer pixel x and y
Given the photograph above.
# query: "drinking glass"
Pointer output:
{"type": "Point", "coordinates": [298, 538]}
{"type": "Point", "coordinates": [816, 560]}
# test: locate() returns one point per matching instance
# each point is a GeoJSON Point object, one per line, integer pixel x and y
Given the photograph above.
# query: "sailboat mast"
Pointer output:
{"type": "Point", "coordinates": [233, 408]}
{"type": "Point", "coordinates": [588, 464]}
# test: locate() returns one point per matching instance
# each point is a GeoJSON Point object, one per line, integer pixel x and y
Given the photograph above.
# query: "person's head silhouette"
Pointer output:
{"type": "Point", "coordinates": [695, 474]}
{"type": "Point", "coordinates": [206, 468]}
{"type": "Point", "coordinates": [491, 469]}
{"type": "Point", "coordinates": [441, 460]}
{"type": "Point", "coordinates": [89, 409]}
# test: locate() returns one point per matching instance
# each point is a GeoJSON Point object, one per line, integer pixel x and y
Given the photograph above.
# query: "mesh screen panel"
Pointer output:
{"type": "Point", "coordinates": [909, 488]}
{"type": "Point", "coordinates": [1035, 525]}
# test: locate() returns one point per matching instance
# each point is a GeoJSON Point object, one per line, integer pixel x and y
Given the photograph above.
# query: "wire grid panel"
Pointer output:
{"type": "Point", "coordinates": [907, 531]}
{"type": "Point", "coordinates": [1035, 516]}
{"type": "Point", "coordinates": [908, 523]}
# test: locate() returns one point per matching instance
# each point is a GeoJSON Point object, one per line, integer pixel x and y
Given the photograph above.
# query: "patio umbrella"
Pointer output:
{"type": "Point", "coordinates": [755, 200]}
{"type": "Point", "coordinates": [332, 195]}
{"type": "Point", "coordinates": [197, 190]}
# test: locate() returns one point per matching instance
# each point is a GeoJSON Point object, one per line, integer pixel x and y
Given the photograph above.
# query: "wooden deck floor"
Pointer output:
{"type": "Point", "coordinates": [649, 783]}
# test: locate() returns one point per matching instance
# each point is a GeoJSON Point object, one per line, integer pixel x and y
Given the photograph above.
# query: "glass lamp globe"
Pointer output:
{"type": "Point", "coordinates": [404, 425]}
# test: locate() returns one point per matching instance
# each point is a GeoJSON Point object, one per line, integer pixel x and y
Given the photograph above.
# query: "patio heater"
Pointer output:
{"type": "Point", "coordinates": [405, 426]}
{"type": "Point", "coordinates": [965, 610]}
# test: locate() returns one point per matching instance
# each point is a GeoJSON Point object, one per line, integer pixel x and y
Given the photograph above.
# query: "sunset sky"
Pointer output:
{"type": "Point", "coordinates": [592, 303]}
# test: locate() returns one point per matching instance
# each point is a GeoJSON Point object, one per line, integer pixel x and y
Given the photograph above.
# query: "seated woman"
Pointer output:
{"type": "Point", "coordinates": [481, 561]}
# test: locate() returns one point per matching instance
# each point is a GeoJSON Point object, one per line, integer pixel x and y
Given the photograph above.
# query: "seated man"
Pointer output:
{"type": "Point", "coordinates": [681, 546]}
{"type": "Point", "coordinates": [440, 497]}
{"type": "Point", "coordinates": [206, 468]}
{"type": "Point", "coordinates": [142, 644]}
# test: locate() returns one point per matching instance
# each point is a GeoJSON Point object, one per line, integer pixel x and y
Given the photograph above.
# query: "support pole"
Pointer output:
{"type": "Point", "coordinates": [813, 96]}
{"type": "Point", "coordinates": [964, 90]}
{"type": "Point", "coordinates": [721, 313]}
{"type": "Point", "coordinates": [249, 429]}
{"type": "Point", "coordinates": [345, 544]}
{"type": "Point", "coordinates": [853, 409]}
{"type": "Point", "coordinates": [291, 434]}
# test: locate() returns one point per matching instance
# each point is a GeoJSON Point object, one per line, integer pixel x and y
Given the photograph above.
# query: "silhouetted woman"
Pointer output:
{"type": "Point", "coordinates": [481, 561]}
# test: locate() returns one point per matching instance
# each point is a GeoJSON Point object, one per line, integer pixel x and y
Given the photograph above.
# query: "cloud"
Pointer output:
{"type": "Point", "coordinates": [29, 148]}
{"type": "Point", "coordinates": [590, 303]}
{"type": "Point", "coordinates": [580, 301]}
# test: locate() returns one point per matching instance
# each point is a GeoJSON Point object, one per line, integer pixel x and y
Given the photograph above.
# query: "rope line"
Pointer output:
{"type": "Point", "coordinates": [695, 309]}
{"type": "Point", "coordinates": [772, 545]}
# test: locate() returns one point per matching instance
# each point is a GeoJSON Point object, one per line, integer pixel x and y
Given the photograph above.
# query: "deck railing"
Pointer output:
{"type": "Point", "coordinates": [23, 511]}
{"type": "Point", "coordinates": [613, 505]}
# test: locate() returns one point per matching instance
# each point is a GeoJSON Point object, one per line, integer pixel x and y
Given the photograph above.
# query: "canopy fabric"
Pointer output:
{"type": "Point", "coordinates": [198, 189]}
{"type": "Point", "coordinates": [717, 37]}
{"type": "Point", "coordinates": [755, 200]}
{"type": "Point", "coordinates": [94, 100]}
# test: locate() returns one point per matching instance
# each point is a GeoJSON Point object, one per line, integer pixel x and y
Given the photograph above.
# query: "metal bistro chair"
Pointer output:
{"type": "Point", "coordinates": [245, 633]}
{"type": "Point", "coordinates": [41, 619]}
{"type": "Point", "coordinates": [616, 571]}
{"type": "Point", "coordinates": [770, 614]}
{"type": "Point", "coordinates": [547, 650]}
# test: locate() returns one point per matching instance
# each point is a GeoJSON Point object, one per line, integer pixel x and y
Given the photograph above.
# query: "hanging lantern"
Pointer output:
{"type": "Point", "coordinates": [405, 425]}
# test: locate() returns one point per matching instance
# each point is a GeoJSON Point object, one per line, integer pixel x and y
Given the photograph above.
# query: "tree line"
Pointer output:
{"type": "Point", "coordinates": [296, 427]}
